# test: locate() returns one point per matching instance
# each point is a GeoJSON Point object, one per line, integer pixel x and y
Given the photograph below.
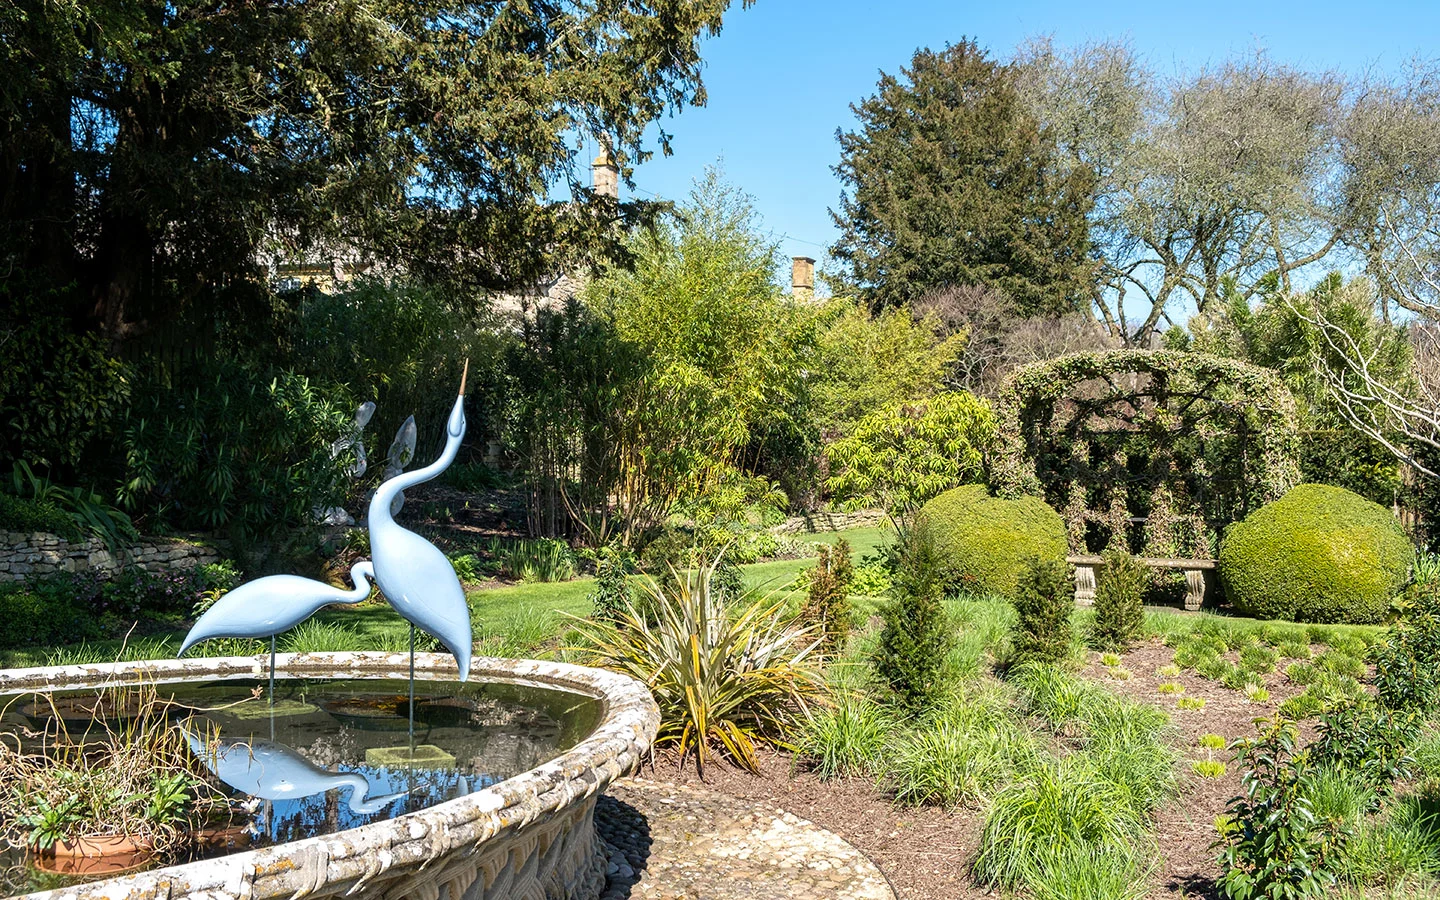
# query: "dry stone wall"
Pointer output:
{"type": "Point", "coordinates": [830, 521]}
{"type": "Point", "coordinates": [25, 556]}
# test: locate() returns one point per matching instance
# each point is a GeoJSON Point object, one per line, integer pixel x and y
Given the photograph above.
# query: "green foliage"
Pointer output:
{"type": "Point", "coordinates": [59, 389]}
{"type": "Point", "coordinates": [1258, 660]}
{"type": "Point", "coordinates": [1272, 844]}
{"type": "Point", "coordinates": [1318, 554]}
{"type": "Point", "coordinates": [428, 169]}
{"type": "Point", "coordinates": [1407, 662]}
{"type": "Point", "coordinates": [848, 738]}
{"type": "Point", "coordinates": [1370, 743]}
{"type": "Point", "coordinates": [907, 452]}
{"type": "Point", "coordinates": [240, 452]}
{"type": "Point", "coordinates": [1208, 768]}
{"type": "Point", "coordinates": [1119, 602]}
{"type": "Point", "coordinates": [983, 541]}
{"type": "Point", "coordinates": [468, 567]}
{"type": "Point", "coordinates": [948, 180]}
{"type": "Point", "coordinates": [722, 678]}
{"type": "Point", "coordinates": [31, 516]}
{"type": "Point", "coordinates": [1044, 602]}
{"type": "Point", "coordinates": [827, 606]}
{"type": "Point", "coordinates": [315, 636]}
{"type": "Point", "coordinates": [89, 511]}
{"type": "Point", "coordinates": [1057, 807]}
{"type": "Point", "coordinates": [542, 559]}
{"type": "Point", "coordinates": [612, 594]}
{"type": "Point", "coordinates": [868, 360]}
{"type": "Point", "coordinates": [957, 759]}
{"type": "Point", "coordinates": [916, 637]}
{"type": "Point", "coordinates": [1085, 873]}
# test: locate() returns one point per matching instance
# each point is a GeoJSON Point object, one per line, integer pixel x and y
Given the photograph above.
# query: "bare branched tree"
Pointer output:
{"type": "Point", "coordinates": [1403, 415]}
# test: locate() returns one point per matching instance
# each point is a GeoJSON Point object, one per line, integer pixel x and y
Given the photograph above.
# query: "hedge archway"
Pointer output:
{"type": "Point", "coordinates": [1147, 451]}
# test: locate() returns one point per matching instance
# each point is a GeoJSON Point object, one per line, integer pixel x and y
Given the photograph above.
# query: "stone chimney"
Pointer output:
{"type": "Point", "coordinates": [605, 176]}
{"type": "Point", "coordinates": [802, 278]}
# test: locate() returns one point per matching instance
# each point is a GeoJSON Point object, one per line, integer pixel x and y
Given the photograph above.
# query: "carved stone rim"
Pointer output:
{"type": "Point", "coordinates": [629, 721]}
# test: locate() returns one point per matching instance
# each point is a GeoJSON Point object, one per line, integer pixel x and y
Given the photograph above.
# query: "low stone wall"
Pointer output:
{"type": "Point", "coordinates": [25, 556]}
{"type": "Point", "coordinates": [830, 521]}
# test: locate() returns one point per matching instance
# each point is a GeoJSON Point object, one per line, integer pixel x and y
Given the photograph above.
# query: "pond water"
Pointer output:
{"type": "Point", "coordinates": [326, 755]}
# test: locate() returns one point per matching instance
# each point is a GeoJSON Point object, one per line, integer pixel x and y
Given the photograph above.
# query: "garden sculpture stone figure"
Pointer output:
{"type": "Point", "coordinates": [413, 574]}
{"type": "Point", "coordinates": [272, 771]}
{"type": "Point", "coordinates": [267, 606]}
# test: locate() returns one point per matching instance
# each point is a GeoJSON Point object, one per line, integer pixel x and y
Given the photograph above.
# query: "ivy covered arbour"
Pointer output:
{"type": "Point", "coordinates": [1147, 451]}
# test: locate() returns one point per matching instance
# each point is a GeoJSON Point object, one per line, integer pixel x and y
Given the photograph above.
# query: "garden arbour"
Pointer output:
{"type": "Point", "coordinates": [1146, 451]}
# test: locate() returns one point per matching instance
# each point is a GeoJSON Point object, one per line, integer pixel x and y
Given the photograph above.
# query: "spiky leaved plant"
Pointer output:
{"type": "Point", "coordinates": [723, 676]}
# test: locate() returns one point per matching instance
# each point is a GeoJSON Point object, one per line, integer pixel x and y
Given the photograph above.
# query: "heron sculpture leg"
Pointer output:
{"type": "Point", "coordinates": [412, 692]}
{"type": "Point", "coordinates": [272, 687]}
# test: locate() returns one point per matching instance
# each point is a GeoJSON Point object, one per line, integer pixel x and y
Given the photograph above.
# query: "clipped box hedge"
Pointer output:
{"type": "Point", "coordinates": [983, 541]}
{"type": "Point", "coordinates": [1318, 554]}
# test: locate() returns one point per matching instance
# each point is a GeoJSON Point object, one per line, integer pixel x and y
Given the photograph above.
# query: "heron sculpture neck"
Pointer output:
{"type": "Point", "coordinates": [379, 513]}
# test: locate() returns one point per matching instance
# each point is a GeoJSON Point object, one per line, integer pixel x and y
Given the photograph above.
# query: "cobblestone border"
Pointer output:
{"type": "Point", "coordinates": [482, 845]}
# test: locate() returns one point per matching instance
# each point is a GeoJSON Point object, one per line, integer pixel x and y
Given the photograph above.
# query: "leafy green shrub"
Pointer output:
{"type": "Point", "coordinates": [1407, 663]}
{"type": "Point", "coordinates": [241, 450]}
{"type": "Point", "coordinates": [1369, 742]}
{"type": "Point", "coordinates": [871, 579]}
{"type": "Point", "coordinates": [1341, 664]}
{"type": "Point", "coordinates": [1318, 554]}
{"type": "Point", "coordinates": [1295, 650]}
{"type": "Point", "coordinates": [31, 617]}
{"type": "Point", "coordinates": [614, 564]}
{"type": "Point", "coordinates": [721, 679]}
{"type": "Point", "coordinates": [847, 738]}
{"type": "Point", "coordinates": [1272, 845]}
{"type": "Point", "coordinates": [1058, 806]}
{"type": "Point", "coordinates": [983, 541]}
{"type": "Point", "coordinates": [1119, 602]}
{"type": "Point", "coordinates": [31, 516]}
{"type": "Point", "coordinates": [1044, 602]}
{"type": "Point", "coordinates": [915, 639]}
{"type": "Point", "coordinates": [827, 605]}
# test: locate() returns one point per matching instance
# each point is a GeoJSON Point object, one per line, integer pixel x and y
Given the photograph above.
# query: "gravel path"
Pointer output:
{"type": "Point", "coordinates": [671, 842]}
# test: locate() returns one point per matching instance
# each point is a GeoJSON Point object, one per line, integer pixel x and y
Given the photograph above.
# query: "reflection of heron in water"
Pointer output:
{"type": "Point", "coordinates": [273, 771]}
{"type": "Point", "coordinates": [413, 574]}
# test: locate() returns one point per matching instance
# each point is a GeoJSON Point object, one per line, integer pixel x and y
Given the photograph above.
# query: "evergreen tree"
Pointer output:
{"type": "Point", "coordinates": [950, 181]}
{"type": "Point", "coordinates": [1119, 602]}
{"type": "Point", "coordinates": [1045, 598]}
{"type": "Point", "coordinates": [915, 640]}
{"type": "Point", "coordinates": [828, 603]}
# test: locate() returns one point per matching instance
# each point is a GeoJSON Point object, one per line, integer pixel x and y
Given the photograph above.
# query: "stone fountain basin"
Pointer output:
{"type": "Point", "coordinates": [531, 837]}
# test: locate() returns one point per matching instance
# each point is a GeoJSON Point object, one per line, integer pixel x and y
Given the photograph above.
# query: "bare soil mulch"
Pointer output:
{"type": "Point", "coordinates": [926, 852]}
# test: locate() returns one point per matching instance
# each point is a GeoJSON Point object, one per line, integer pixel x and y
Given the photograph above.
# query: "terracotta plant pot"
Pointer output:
{"type": "Point", "coordinates": [98, 855]}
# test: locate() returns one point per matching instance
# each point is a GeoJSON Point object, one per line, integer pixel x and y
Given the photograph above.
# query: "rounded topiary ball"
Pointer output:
{"type": "Point", "coordinates": [983, 541]}
{"type": "Point", "coordinates": [1318, 554]}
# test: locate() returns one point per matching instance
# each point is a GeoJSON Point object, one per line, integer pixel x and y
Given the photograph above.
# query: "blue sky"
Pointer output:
{"type": "Point", "coordinates": [782, 74]}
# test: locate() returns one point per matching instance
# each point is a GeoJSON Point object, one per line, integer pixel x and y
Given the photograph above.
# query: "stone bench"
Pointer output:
{"type": "Point", "coordinates": [1199, 576]}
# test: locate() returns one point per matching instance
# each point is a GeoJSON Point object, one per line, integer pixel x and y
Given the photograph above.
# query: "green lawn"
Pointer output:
{"type": "Point", "coordinates": [509, 621]}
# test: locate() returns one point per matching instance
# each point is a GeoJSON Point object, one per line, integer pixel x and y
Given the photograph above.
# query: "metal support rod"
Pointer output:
{"type": "Point", "coordinates": [412, 693]}
{"type": "Point", "coordinates": [272, 687]}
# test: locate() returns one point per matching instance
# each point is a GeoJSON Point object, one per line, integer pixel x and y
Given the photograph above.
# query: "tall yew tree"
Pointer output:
{"type": "Point", "coordinates": [150, 149]}
{"type": "Point", "coordinates": [950, 181]}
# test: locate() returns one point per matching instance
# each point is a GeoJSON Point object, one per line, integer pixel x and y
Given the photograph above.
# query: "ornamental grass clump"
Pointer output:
{"type": "Point", "coordinates": [847, 738]}
{"type": "Point", "coordinates": [725, 678]}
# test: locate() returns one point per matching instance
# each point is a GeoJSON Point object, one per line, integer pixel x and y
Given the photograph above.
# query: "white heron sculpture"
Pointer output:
{"type": "Point", "coordinates": [267, 606]}
{"type": "Point", "coordinates": [415, 577]}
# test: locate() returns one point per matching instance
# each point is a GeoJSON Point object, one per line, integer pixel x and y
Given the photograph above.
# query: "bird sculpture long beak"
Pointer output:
{"type": "Point", "coordinates": [464, 375]}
